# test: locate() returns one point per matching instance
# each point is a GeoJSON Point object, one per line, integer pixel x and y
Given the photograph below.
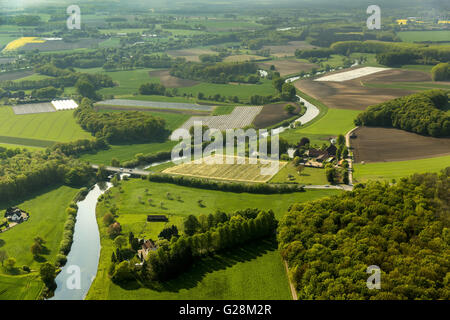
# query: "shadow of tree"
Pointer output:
{"type": "Point", "coordinates": [210, 264]}
{"type": "Point", "coordinates": [2, 243]}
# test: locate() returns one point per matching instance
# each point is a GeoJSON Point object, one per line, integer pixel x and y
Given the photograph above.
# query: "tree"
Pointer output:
{"type": "Point", "coordinates": [278, 84]}
{"type": "Point", "coordinates": [108, 219]}
{"type": "Point", "coordinates": [191, 225]}
{"type": "Point", "coordinates": [114, 230]}
{"type": "Point", "coordinates": [48, 273]}
{"type": "Point", "coordinates": [289, 108]}
{"type": "Point", "coordinates": [3, 256]}
{"type": "Point", "coordinates": [10, 263]}
{"type": "Point", "coordinates": [115, 162]}
{"type": "Point", "coordinates": [169, 232]}
{"type": "Point", "coordinates": [36, 249]}
{"type": "Point", "coordinates": [288, 92]}
{"type": "Point", "coordinates": [86, 89]}
{"type": "Point", "coordinates": [120, 241]}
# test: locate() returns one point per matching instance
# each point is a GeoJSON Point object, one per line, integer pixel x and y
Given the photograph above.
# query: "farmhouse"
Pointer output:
{"type": "Point", "coordinates": [16, 215]}
{"type": "Point", "coordinates": [157, 218]}
{"type": "Point", "coordinates": [146, 246]}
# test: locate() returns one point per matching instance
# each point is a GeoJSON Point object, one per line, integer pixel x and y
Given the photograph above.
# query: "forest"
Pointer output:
{"type": "Point", "coordinates": [401, 228]}
{"type": "Point", "coordinates": [23, 172]}
{"type": "Point", "coordinates": [118, 127]}
{"type": "Point", "coordinates": [422, 113]}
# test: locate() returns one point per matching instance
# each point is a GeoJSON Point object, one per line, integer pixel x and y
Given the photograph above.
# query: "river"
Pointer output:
{"type": "Point", "coordinates": [85, 252]}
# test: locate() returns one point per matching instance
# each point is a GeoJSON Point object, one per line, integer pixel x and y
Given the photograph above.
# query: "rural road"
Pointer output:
{"type": "Point", "coordinates": [138, 172]}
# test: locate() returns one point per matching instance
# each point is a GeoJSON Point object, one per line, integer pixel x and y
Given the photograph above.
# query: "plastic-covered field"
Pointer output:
{"type": "Point", "coordinates": [239, 118]}
{"type": "Point", "coordinates": [64, 104]}
{"type": "Point", "coordinates": [33, 108]}
{"type": "Point", "coordinates": [352, 74]}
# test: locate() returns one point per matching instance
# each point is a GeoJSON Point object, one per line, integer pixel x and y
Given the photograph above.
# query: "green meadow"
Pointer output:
{"type": "Point", "coordinates": [436, 35]}
{"type": "Point", "coordinates": [47, 218]}
{"type": "Point", "coordinates": [50, 127]}
{"type": "Point", "coordinates": [253, 271]}
{"type": "Point", "coordinates": [307, 176]}
{"type": "Point", "coordinates": [398, 169]}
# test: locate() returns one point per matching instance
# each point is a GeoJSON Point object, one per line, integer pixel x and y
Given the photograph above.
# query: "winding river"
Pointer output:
{"type": "Point", "coordinates": [85, 252]}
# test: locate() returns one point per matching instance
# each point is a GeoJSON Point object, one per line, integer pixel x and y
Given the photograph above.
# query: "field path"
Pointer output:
{"type": "Point", "coordinates": [291, 285]}
{"type": "Point", "coordinates": [350, 158]}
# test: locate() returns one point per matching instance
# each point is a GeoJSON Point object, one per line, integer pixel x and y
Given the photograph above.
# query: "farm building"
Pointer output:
{"type": "Point", "coordinates": [157, 218]}
{"type": "Point", "coordinates": [146, 246]}
{"type": "Point", "coordinates": [14, 214]}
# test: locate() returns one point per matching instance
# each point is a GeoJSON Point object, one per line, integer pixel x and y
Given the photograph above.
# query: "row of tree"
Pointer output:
{"type": "Point", "coordinates": [422, 113]}
{"type": "Point", "coordinates": [118, 127]}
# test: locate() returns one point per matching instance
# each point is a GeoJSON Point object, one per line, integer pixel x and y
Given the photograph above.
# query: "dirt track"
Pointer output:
{"type": "Point", "coordinates": [353, 95]}
{"type": "Point", "coordinates": [374, 144]}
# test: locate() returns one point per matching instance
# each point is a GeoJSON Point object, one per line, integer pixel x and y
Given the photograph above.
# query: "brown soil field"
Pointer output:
{"type": "Point", "coordinates": [286, 67]}
{"type": "Point", "coordinates": [374, 144]}
{"type": "Point", "coordinates": [172, 82]}
{"type": "Point", "coordinates": [354, 95]}
{"type": "Point", "coordinates": [272, 114]}
{"type": "Point", "coordinates": [190, 54]}
{"type": "Point", "coordinates": [289, 49]}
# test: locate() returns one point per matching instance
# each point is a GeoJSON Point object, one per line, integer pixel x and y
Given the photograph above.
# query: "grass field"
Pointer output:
{"type": "Point", "coordinates": [129, 81]}
{"type": "Point", "coordinates": [15, 146]}
{"type": "Point", "coordinates": [436, 35]}
{"type": "Point", "coordinates": [246, 171]}
{"type": "Point", "coordinates": [307, 176]}
{"type": "Point", "coordinates": [47, 218]}
{"type": "Point", "coordinates": [398, 169]}
{"type": "Point", "coordinates": [127, 152]}
{"type": "Point", "coordinates": [252, 272]}
{"type": "Point", "coordinates": [55, 126]}
{"type": "Point", "coordinates": [333, 123]}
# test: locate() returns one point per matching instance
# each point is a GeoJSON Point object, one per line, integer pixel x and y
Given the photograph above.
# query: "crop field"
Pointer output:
{"type": "Point", "coordinates": [242, 91]}
{"type": "Point", "coordinates": [289, 174]}
{"type": "Point", "coordinates": [254, 271]}
{"type": "Point", "coordinates": [289, 66]}
{"type": "Point", "coordinates": [243, 57]}
{"type": "Point", "coordinates": [21, 42]}
{"type": "Point", "coordinates": [14, 75]}
{"type": "Point", "coordinates": [170, 81]}
{"type": "Point", "coordinates": [289, 49]}
{"type": "Point", "coordinates": [239, 118]}
{"type": "Point", "coordinates": [272, 114]}
{"type": "Point", "coordinates": [246, 172]}
{"type": "Point", "coordinates": [47, 218]}
{"type": "Point", "coordinates": [357, 94]}
{"type": "Point", "coordinates": [398, 169]}
{"type": "Point", "coordinates": [436, 35]}
{"type": "Point", "coordinates": [396, 145]}
{"type": "Point", "coordinates": [154, 104]}
{"type": "Point", "coordinates": [60, 45]}
{"type": "Point", "coordinates": [190, 54]}
{"type": "Point", "coordinates": [55, 126]}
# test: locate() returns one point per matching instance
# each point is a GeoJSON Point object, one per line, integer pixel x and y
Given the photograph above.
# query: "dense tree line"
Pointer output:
{"type": "Point", "coordinates": [259, 188]}
{"type": "Point", "coordinates": [441, 72]}
{"type": "Point", "coordinates": [421, 113]}
{"type": "Point", "coordinates": [175, 257]}
{"type": "Point", "coordinates": [403, 229]}
{"type": "Point", "coordinates": [81, 146]}
{"type": "Point", "coordinates": [23, 172]}
{"type": "Point", "coordinates": [118, 127]}
{"type": "Point", "coordinates": [244, 72]}
{"type": "Point", "coordinates": [423, 54]}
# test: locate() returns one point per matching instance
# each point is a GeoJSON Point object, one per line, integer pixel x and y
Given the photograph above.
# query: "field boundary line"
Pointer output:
{"type": "Point", "coordinates": [291, 285]}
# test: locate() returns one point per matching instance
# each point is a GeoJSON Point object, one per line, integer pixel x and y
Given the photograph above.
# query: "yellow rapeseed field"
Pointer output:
{"type": "Point", "coordinates": [18, 43]}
